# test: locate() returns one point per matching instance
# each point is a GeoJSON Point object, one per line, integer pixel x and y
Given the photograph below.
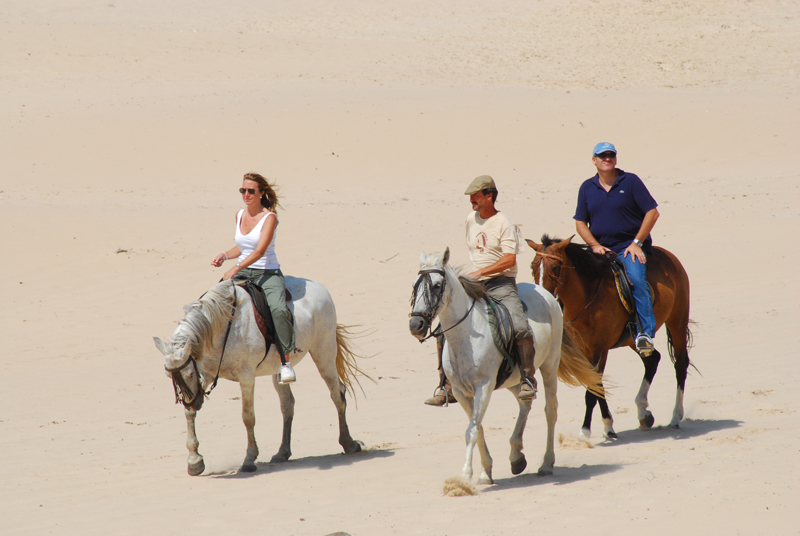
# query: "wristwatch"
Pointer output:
{"type": "Point", "coordinates": [638, 242]}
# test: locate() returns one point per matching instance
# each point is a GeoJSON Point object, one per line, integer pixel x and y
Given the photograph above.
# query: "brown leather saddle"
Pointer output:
{"type": "Point", "coordinates": [262, 314]}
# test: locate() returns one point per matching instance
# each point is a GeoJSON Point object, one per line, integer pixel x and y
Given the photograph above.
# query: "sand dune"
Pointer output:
{"type": "Point", "coordinates": [127, 128]}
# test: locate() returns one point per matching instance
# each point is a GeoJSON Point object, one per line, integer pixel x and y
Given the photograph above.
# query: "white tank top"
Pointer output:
{"type": "Point", "coordinates": [247, 243]}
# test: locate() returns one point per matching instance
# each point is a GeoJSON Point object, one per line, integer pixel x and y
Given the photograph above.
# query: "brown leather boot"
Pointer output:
{"type": "Point", "coordinates": [525, 354]}
{"type": "Point", "coordinates": [442, 396]}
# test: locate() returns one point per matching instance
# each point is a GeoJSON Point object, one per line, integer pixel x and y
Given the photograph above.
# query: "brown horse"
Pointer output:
{"type": "Point", "coordinates": [584, 283]}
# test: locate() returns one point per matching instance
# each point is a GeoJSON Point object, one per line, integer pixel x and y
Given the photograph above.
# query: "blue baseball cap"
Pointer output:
{"type": "Point", "coordinates": [603, 147]}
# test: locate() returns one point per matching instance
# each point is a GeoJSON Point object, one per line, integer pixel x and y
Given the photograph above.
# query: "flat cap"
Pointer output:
{"type": "Point", "coordinates": [483, 182]}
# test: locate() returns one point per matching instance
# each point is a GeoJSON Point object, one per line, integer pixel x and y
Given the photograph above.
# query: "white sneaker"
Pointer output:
{"type": "Point", "coordinates": [644, 344]}
{"type": "Point", "coordinates": [286, 374]}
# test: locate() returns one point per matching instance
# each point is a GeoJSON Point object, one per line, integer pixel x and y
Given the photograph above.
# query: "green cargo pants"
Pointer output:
{"type": "Point", "coordinates": [275, 291]}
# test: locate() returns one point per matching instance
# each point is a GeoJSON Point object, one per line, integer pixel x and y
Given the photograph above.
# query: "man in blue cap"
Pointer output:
{"type": "Point", "coordinates": [616, 213]}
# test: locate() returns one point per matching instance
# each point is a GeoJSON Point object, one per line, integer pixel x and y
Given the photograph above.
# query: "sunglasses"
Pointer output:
{"type": "Point", "coordinates": [603, 156]}
{"type": "Point", "coordinates": [251, 191]}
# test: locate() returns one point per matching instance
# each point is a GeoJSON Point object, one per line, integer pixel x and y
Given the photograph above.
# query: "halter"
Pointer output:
{"type": "Point", "coordinates": [179, 384]}
{"type": "Point", "coordinates": [431, 303]}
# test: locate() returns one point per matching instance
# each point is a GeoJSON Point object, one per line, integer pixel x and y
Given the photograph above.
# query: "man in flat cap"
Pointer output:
{"type": "Point", "coordinates": [493, 241]}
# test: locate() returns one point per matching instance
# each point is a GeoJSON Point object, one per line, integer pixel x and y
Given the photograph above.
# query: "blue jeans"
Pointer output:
{"type": "Point", "coordinates": [637, 273]}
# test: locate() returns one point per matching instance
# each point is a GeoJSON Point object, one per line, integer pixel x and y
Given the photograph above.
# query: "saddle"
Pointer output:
{"type": "Point", "coordinates": [632, 327]}
{"type": "Point", "coordinates": [503, 335]}
{"type": "Point", "coordinates": [262, 314]}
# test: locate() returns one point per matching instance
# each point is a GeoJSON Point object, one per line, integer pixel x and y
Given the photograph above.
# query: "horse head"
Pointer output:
{"type": "Point", "coordinates": [186, 378]}
{"type": "Point", "coordinates": [429, 294]}
{"type": "Point", "coordinates": [547, 262]}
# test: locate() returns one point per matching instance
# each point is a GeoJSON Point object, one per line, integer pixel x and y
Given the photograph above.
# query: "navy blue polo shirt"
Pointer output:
{"type": "Point", "coordinates": [614, 217]}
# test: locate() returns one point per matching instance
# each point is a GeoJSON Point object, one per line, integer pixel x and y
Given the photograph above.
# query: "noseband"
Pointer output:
{"type": "Point", "coordinates": [432, 301]}
{"type": "Point", "coordinates": [182, 389]}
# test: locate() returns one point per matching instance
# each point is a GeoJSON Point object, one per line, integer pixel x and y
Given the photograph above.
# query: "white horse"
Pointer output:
{"type": "Point", "coordinates": [471, 360]}
{"type": "Point", "coordinates": [218, 338]}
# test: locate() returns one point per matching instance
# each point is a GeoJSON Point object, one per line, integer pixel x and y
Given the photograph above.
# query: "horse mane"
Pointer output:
{"type": "Point", "coordinates": [205, 318]}
{"type": "Point", "coordinates": [474, 288]}
{"type": "Point", "coordinates": [587, 263]}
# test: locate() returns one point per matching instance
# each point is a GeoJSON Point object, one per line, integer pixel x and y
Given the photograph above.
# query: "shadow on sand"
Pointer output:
{"type": "Point", "coordinates": [324, 463]}
{"type": "Point", "coordinates": [561, 476]}
{"type": "Point", "coordinates": [689, 428]}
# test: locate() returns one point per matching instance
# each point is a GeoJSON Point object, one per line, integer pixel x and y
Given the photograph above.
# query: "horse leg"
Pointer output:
{"type": "Point", "coordinates": [287, 410]}
{"type": "Point", "coordinates": [608, 420]}
{"type": "Point", "coordinates": [196, 464]}
{"type": "Point", "coordinates": [249, 418]}
{"type": "Point", "coordinates": [680, 349]}
{"type": "Point", "coordinates": [598, 360]}
{"type": "Point", "coordinates": [476, 409]}
{"type": "Point", "coordinates": [549, 373]}
{"type": "Point", "coordinates": [586, 429]}
{"type": "Point", "coordinates": [646, 418]}
{"type": "Point", "coordinates": [517, 457]}
{"type": "Point", "coordinates": [325, 358]}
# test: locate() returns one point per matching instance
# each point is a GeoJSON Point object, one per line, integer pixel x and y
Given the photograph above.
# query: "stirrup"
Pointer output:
{"type": "Point", "coordinates": [644, 344]}
{"type": "Point", "coordinates": [286, 374]}
{"type": "Point", "coordinates": [532, 385]}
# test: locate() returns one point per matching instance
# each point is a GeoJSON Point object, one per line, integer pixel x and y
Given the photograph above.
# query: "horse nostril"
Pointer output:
{"type": "Point", "coordinates": [416, 325]}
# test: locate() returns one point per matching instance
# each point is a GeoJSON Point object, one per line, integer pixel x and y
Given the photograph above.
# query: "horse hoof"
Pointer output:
{"type": "Point", "coordinates": [354, 446]}
{"type": "Point", "coordinates": [545, 471]}
{"type": "Point", "coordinates": [197, 468]}
{"type": "Point", "coordinates": [585, 433]}
{"type": "Point", "coordinates": [612, 435]}
{"type": "Point", "coordinates": [279, 458]}
{"type": "Point", "coordinates": [485, 481]}
{"type": "Point", "coordinates": [248, 468]}
{"type": "Point", "coordinates": [518, 466]}
{"type": "Point", "coordinates": [647, 422]}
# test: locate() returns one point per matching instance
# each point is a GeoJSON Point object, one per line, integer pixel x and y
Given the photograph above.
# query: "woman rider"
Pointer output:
{"type": "Point", "coordinates": [256, 226]}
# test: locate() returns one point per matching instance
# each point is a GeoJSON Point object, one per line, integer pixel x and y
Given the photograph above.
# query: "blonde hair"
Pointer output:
{"type": "Point", "coordinates": [269, 198]}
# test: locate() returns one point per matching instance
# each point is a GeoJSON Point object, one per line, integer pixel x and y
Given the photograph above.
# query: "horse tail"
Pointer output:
{"type": "Point", "coordinates": [346, 366]}
{"type": "Point", "coordinates": [689, 344]}
{"type": "Point", "coordinates": [574, 368]}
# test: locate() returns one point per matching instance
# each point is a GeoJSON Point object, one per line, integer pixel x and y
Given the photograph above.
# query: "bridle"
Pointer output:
{"type": "Point", "coordinates": [180, 386]}
{"type": "Point", "coordinates": [432, 301]}
{"type": "Point", "coordinates": [558, 282]}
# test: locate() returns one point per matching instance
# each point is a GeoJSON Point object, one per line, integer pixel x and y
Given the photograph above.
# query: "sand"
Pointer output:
{"type": "Point", "coordinates": [127, 127]}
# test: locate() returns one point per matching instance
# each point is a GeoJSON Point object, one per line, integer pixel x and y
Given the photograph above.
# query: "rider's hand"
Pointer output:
{"type": "Point", "coordinates": [231, 273]}
{"type": "Point", "coordinates": [218, 260]}
{"type": "Point", "coordinates": [635, 252]}
{"type": "Point", "coordinates": [600, 250]}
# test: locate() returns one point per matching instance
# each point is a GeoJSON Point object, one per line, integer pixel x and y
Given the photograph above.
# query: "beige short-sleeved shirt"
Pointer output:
{"type": "Point", "coordinates": [488, 240]}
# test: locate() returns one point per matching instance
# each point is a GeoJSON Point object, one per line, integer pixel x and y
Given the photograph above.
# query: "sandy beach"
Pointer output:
{"type": "Point", "coordinates": [127, 126]}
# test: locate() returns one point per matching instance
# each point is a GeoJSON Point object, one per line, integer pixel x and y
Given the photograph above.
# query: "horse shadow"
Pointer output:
{"type": "Point", "coordinates": [322, 463]}
{"type": "Point", "coordinates": [562, 476]}
{"type": "Point", "coordinates": [688, 429]}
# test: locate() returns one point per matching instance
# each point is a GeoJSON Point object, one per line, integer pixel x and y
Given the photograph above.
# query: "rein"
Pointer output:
{"type": "Point", "coordinates": [179, 384]}
{"type": "Point", "coordinates": [433, 304]}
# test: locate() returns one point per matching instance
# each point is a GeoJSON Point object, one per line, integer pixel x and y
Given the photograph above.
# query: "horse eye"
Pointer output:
{"type": "Point", "coordinates": [557, 270]}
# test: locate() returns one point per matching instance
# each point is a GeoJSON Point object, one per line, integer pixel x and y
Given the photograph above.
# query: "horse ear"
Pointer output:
{"type": "Point", "coordinates": [534, 245]}
{"type": "Point", "coordinates": [160, 345]}
{"type": "Point", "coordinates": [568, 240]}
{"type": "Point", "coordinates": [446, 257]}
